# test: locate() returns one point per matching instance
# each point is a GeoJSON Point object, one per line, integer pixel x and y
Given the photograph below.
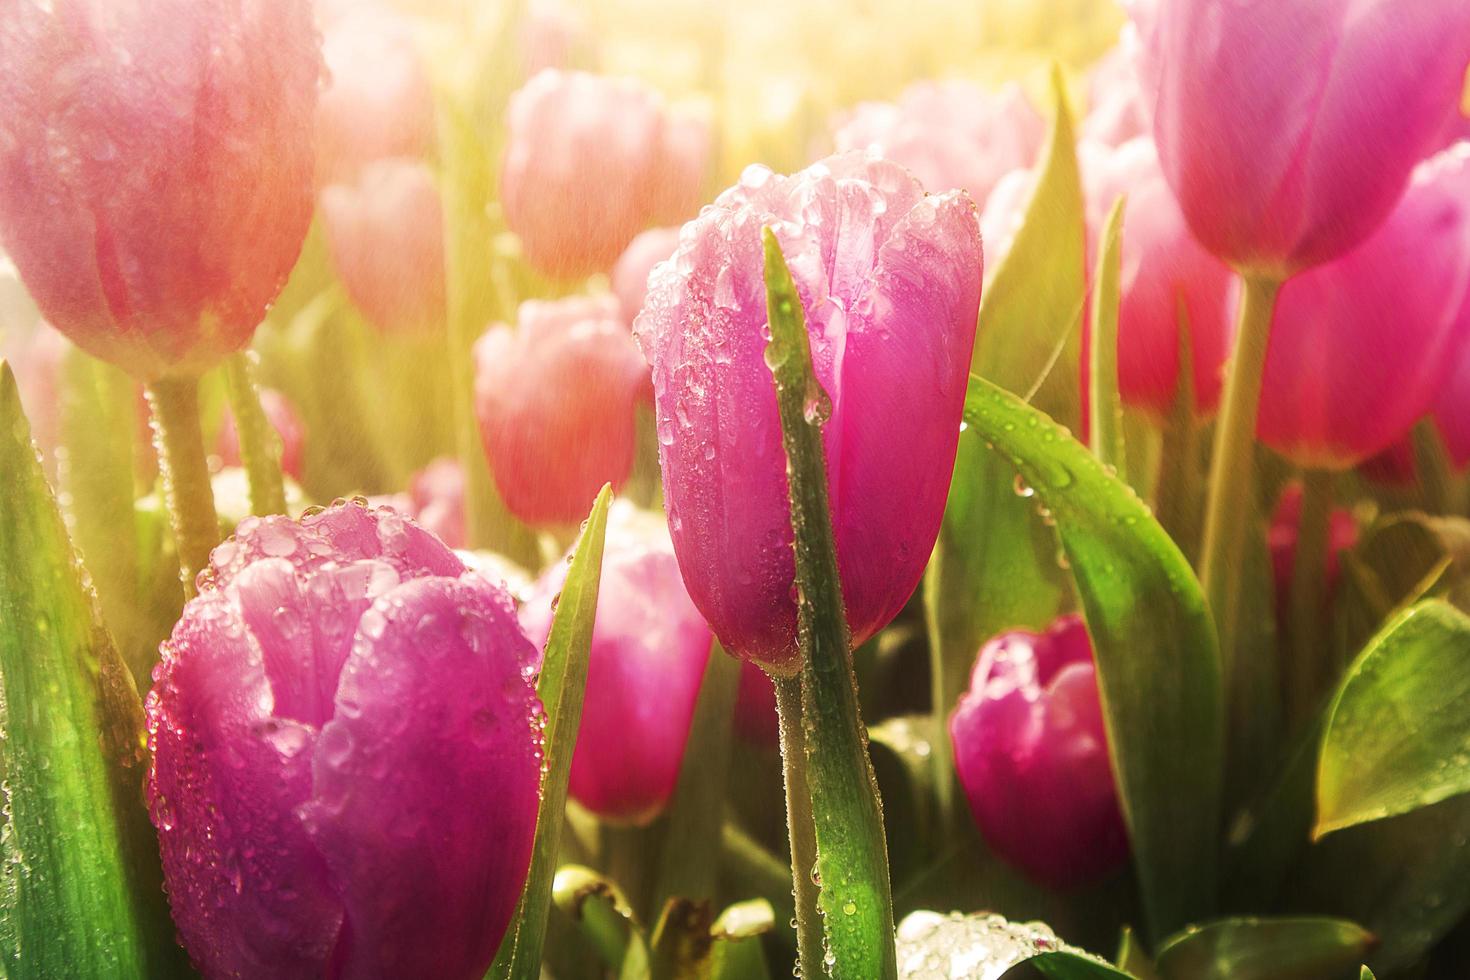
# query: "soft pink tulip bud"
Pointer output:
{"type": "Point", "coordinates": [156, 168]}
{"type": "Point", "coordinates": [282, 417]}
{"type": "Point", "coordinates": [1164, 274]}
{"type": "Point", "coordinates": [1032, 756]}
{"type": "Point", "coordinates": [686, 151]}
{"type": "Point", "coordinates": [555, 397]}
{"type": "Point", "coordinates": [377, 102]}
{"type": "Point", "coordinates": [890, 281]}
{"type": "Point", "coordinates": [549, 35]}
{"type": "Point", "coordinates": [436, 493]}
{"type": "Point", "coordinates": [1359, 347]}
{"type": "Point", "coordinates": [386, 237]}
{"type": "Point", "coordinates": [346, 762]}
{"type": "Point", "coordinates": [1115, 109]}
{"type": "Point", "coordinates": [951, 134]}
{"type": "Point", "coordinates": [755, 707]}
{"type": "Point", "coordinates": [1342, 534]}
{"type": "Point", "coordinates": [649, 650]}
{"type": "Point", "coordinates": [630, 275]}
{"type": "Point", "coordinates": [586, 167]}
{"type": "Point", "coordinates": [1289, 129]}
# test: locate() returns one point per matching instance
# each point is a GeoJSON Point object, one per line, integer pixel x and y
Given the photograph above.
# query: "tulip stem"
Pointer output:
{"type": "Point", "coordinates": [1306, 672]}
{"type": "Point", "coordinates": [180, 442]}
{"type": "Point", "coordinates": [799, 825]}
{"type": "Point", "coordinates": [1230, 511]}
{"type": "Point", "coordinates": [260, 446]}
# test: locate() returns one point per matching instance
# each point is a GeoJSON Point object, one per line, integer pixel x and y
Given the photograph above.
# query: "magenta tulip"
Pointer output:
{"type": "Point", "coordinates": [649, 651]}
{"type": "Point", "coordinates": [385, 232]}
{"type": "Point", "coordinates": [282, 418]}
{"type": "Point", "coordinates": [1342, 534]}
{"type": "Point", "coordinates": [756, 720]}
{"type": "Point", "coordinates": [630, 275]}
{"type": "Point", "coordinates": [555, 397]}
{"type": "Point", "coordinates": [587, 166]}
{"type": "Point", "coordinates": [1032, 756]}
{"type": "Point", "coordinates": [1289, 129]}
{"type": "Point", "coordinates": [1359, 347]}
{"type": "Point", "coordinates": [346, 761]}
{"type": "Point", "coordinates": [951, 134]}
{"type": "Point", "coordinates": [377, 102]}
{"type": "Point", "coordinates": [890, 282]}
{"type": "Point", "coordinates": [156, 168]}
{"type": "Point", "coordinates": [1164, 274]}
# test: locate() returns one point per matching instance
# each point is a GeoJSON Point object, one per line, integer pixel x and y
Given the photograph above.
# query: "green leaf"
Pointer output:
{"type": "Point", "coordinates": [852, 853]}
{"type": "Point", "coordinates": [1157, 663]}
{"type": "Point", "coordinates": [1026, 336]}
{"type": "Point", "coordinates": [1398, 734]}
{"type": "Point", "coordinates": [1133, 959]}
{"type": "Point", "coordinates": [1264, 949]}
{"type": "Point", "coordinates": [1106, 408]}
{"type": "Point", "coordinates": [598, 905]}
{"type": "Point", "coordinates": [562, 684]}
{"type": "Point", "coordinates": [80, 887]}
{"type": "Point", "coordinates": [1366, 974]}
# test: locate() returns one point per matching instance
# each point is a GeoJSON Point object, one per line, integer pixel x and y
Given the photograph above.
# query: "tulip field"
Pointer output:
{"type": "Point", "coordinates": [687, 490]}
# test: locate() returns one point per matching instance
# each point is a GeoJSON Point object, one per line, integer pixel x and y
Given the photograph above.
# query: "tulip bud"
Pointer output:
{"type": "Point", "coordinates": [1342, 534]}
{"type": "Point", "coordinates": [630, 275]}
{"type": "Point", "coordinates": [346, 761]}
{"type": "Point", "coordinates": [1032, 756]}
{"type": "Point", "coordinates": [649, 650]}
{"type": "Point", "coordinates": [283, 419]}
{"type": "Point", "coordinates": [586, 167]}
{"type": "Point", "coordinates": [755, 707]}
{"type": "Point", "coordinates": [1359, 347]}
{"type": "Point", "coordinates": [951, 134]}
{"type": "Point", "coordinates": [555, 398]}
{"type": "Point", "coordinates": [890, 282]}
{"type": "Point", "coordinates": [377, 102]}
{"type": "Point", "coordinates": [156, 169]}
{"type": "Point", "coordinates": [436, 494]}
{"type": "Point", "coordinates": [1164, 274]}
{"type": "Point", "coordinates": [1288, 130]}
{"type": "Point", "coordinates": [386, 236]}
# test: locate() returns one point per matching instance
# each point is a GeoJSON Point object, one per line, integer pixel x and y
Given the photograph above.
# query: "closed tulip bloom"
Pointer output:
{"type": "Point", "coordinates": [1288, 130]}
{"type": "Point", "coordinates": [282, 418]}
{"type": "Point", "coordinates": [890, 283]}
{"type": "Point", "coordinates": [1032, 756]}
{"type": "Point", "coordinates": [649, 651]}
{"type": "Point", "coordinates": [1359, 347]}
{"type": "Point", "coordinates": [630, 275]}
{"type": "Point", "coordinates": [377, 102]}
{"type": "Point", "coordinates": [586, 164]}
{"type": "Point", "coordinates": [346, 761]}
{"type": "Point", "coordinates": [555, 398]}
{"type": "Point", "coordinates": [950, 134]}
{"type": "Point", "coordinates": [156, 168]}
{"type": "Point", "coordinates": [1164, 274]}
{"type": "Point", "coordinates": [385, 232]}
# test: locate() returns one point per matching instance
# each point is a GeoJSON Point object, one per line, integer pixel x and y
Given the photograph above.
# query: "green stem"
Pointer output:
{"type": "Point", "coordinates": [1309, 658]}
{"type": "Point", "coordinates": [1230, 507]}
{"type": "Point", "coordinates": [260, 445]}
{"type": "Point", "coordinates": [180, 442]}
{"type": "Point", "coordinates": [943, 694]}
{"type": "Point", "coordinates": [800, 825]}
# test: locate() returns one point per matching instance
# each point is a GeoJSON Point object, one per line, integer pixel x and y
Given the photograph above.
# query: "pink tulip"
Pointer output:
{"type": "Point", "coordinates": [346, 763]}
{"type": "Point", "coordinates": [377, 102]}
{"type": "Point", "coordinates": [586, 167]}
{"type": "Point", "coordinates": [890, 281]}
{"type": "Point", "coordinates": [1342, 535]}
{"type": "Point", "coordinates": [630, 275]}
{"type": "Point", "coordinates": [1289, 129]}
{"type": "Point", "coordinates": [686, 152]}
{"type": "Point", "coordinates": [1115, 109]}
{"type": "Point", "coordinates": [649, 650]}
{"type": "Point", "coordinates": [549, 35]}
{"type": "Point", "coordinates": [436, 493]}
{"type": "Point", "coordinates": [555, 397]}
{"type": "Point", "coordinates": [282, 417]}
{"type": "Point", "coordinates": [755, 707]}
{"type": "Point", "coordinates": [950, 134]}
{"type": "Point", "coordinates": [155, 168]}
{"type": "Point", "coordinates": [1359, 347]}
{"type": "Point", "coordinates": [1164, 273]}
{"type": "Point", "coordinates": [1032, 756]}
{"type": "Point", "coordinates": [385, 233]}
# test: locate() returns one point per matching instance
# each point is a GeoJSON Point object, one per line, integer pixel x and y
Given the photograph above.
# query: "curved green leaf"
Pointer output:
{"type": "Point", "coordinates": [1265, 949]}
{"type": "Point", "coordinates": [562, 684]}
{"type": "Point", "coordinates": [1105, 408]}
{"type": "Point", "coordinates": [1398, 734]}
{"type": "Point", "coordinates": [600, 908]}
{"type": "Point", "coordinates": [1157, 662]}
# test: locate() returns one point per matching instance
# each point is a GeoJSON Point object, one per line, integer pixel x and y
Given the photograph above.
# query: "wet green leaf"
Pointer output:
{"type": "Point", "coordinates": [1264, 949]}
{"type": "Point", "coordinates": [1157, 663]}
{"type": "Point", "coordinates": [1106, 408]}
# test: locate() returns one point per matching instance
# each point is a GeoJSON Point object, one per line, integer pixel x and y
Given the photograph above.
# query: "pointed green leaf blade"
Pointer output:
{"type": "Point", "coordinates": [1105, 403]}
{"type": "Point", "coordinates": [1265, 949]}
